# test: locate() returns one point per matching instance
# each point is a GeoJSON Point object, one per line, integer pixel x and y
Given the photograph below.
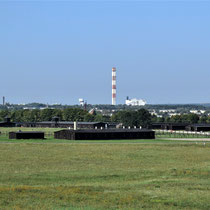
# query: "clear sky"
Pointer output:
{"type": "Point", "coordinates": [58, 52]}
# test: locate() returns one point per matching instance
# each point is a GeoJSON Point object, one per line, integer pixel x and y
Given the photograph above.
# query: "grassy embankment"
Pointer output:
{"type": "Point", "coordinates": [62, 174]}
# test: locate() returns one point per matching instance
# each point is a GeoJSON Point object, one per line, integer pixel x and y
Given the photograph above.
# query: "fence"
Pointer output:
{"type": "Point", "coordinates": [181, 134]}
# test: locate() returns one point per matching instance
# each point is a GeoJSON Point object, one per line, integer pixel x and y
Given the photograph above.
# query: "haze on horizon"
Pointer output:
{"type": "Point", "coordinates": [58, 52]}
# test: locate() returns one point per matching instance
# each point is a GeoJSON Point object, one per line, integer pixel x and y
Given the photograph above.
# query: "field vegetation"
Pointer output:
{"type": "Point", "coordinates": [62, 174]}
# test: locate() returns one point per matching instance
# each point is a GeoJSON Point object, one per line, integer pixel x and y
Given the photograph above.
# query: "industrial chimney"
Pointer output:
{"type": "Point", "coordinates": [113, 86]}
{"type": "Point", "coordinates": [3, 101]}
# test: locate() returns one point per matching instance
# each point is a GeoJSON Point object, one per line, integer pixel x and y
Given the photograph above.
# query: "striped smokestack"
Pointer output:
{"type": "Point", "coordinates": [113, 86]}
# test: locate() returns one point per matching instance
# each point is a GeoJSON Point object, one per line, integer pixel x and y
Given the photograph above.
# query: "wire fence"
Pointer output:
{"type": "Point", "coordinates": [181, 134]}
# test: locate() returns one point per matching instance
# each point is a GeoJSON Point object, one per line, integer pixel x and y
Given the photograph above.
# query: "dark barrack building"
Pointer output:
{"type": "Point", "coordinates": [26, 135]}
{"type": "Point", "coordinates": [169, 126]}
{"type": "Point", "coordinates": [198, 127]}
{"type": "Point", "coordinates": [106, 134]}
{"type": "Point", "coordinates": [66, 124]}
{"type": "Point", "coordinates": [7, 123]}
{"type": "Point", "coordinates": [55, 123]}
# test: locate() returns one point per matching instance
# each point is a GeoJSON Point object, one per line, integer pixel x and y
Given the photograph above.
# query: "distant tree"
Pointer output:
{"type": "Point", "coordinates": [203, 119]}
{"type": "Point", "coordinates": [89, 117]}
{"type": "Point", "coordinates": [193, 118]}
{"type": "Point", "coordinates": [116, 117]}
{"type": "Point", "coordinates": [127, 118]}
{"type": "Point", "coordinates": [167, 119]}
{"type": "Point", "coordinates": [98, 118]}
{"type": "Point", "coordinates": [208, 120]}
{"type": "Point", "coordinates": [106, 118]}
{"type": "Point", "coordinates": [142, 118]}
{"type": "Point", "coordinates": [74, 114]}
{"type": "Point", "coordinates": [26, 115]}
{"type": "Point", "coordinates": [160, 119]}
{"type": "Point", "coordinates": [3, 114]}
{"type": "Point", "coordinates": [58, 113]}
{"type": "Point", "coordinates": [46, 114]}
{"type": "Point", "coordinates": [176, 119]}
{"type": "Point", "coordinates": [102, 118]}
{"type": "Point", "coordinates": [154, 118]}
{"type": "Point", "coordinates": [185, 118]}
{"type": "Point", "coordinates": [35, 115]}
{"type": "Point", "coordinates": [17, 116]}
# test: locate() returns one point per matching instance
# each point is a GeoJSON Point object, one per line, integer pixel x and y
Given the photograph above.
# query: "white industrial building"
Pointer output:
{"type": "Point", "coordinates": [135, 102]}
{"type": "Point", "coordinates": [81, 101]}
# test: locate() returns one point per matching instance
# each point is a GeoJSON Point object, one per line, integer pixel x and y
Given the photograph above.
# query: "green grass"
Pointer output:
{"type": "Point", "coordinates": [63, 174]}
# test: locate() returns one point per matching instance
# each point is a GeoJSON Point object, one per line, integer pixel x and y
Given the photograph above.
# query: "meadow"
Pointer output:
{"type": "Point", "coordinates": [62, 174]}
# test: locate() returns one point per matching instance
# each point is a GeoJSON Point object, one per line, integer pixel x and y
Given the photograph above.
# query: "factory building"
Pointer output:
{"type": "Point", "coordinates": [135, 102]}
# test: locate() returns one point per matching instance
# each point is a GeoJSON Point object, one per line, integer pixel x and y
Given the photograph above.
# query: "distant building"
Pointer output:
{"type": "Point", "coordinates": [169, 126]}
{"type": "Point", "coordinates": [81, 101]}
{"type": "Point", "coordinates": [135, 102]}
{"type": "Point", "coordinates": [104, 134]}
{"type": "Point", "coordinates": [167, 110]}
{"type": "Point", "coordinates": [63, 124]}
{"type": "Point", "coordinates": [198, 127]}
{"type": "Point", "coordinates": [173, 114]}
{"type": "Point", "coordinates": [199, 112]}
{"type": "Point", "coordinates": [26, 135]}
{"type": "Point", "coordinates": [7, 123]}
{"type": "Point", "coordinates": [92, 111]}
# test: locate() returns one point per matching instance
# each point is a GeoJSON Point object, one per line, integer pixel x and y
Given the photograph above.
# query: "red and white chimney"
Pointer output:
{"type": "Point", "coordinates": [113, 86]}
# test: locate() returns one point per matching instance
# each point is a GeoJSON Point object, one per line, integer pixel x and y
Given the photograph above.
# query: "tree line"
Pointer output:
{"type": "Point", "coordinates": [128, 118]}
{"type": "Point", "coordinates": [183, 118]}
{"type": "Point", "coordinates": [138, 118]}
{"type": "Point", "coordinates": [36, 115]}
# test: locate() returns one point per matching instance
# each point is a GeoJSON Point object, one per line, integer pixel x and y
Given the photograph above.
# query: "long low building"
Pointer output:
{"type": "Point", "coordinates": [106, 134]}
{"type": "Point", "coordinates": [198, 127]}
{"type": "Point", "coordinates": [181, 126]}
{"type": "Point", "coordinates": [26, 135]}
{"type": "Point", "coordinates": [169, 126]}
{"type": "Point", "coordinates": [63, 124]}
{"type": "Point", "coordinates": [7, 123]}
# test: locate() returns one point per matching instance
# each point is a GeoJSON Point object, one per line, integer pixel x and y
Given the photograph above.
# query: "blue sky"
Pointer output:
{"type": "Point", "coordinates": [58, 52]}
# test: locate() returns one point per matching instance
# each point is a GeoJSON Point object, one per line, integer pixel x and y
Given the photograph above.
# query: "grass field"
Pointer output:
{"type": "Point", "coordinates": [62, 174]}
